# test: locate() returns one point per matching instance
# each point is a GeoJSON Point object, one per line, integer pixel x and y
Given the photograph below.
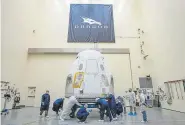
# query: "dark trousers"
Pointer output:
{"type": "Point", "coordinates": [44, 108]}
{"type": "Point", "coordinates": [113, 112]}
{"type": "Point", "coordinates": [119, 112]}
{"type": "Point", "coordinates": [73, 110]}
{"type": "Point", "coordinates": [56, 108]}
{"type": "Point", "coordinates": [125, 110]}
{"type": "Point", "coordinates": [46, 112]}
{"type": "Point", "coordinates": [144, 116]}
{"type": "Point", "coordinates": [104, 109]}
{"type": "Point", "coordinates": [82, 118]}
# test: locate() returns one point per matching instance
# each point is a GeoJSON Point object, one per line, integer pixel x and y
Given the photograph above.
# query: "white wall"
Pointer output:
{"type": "Point", "coordinates": [163, 23]}
{"type": "Point", "coordinates": [121, 72]}
{"type": "Point", "coordinates": [50, 72]}
{"type": "Point", "coordinates": [49, 19]}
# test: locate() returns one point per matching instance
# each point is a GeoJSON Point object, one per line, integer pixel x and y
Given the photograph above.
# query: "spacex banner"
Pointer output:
{"type": "Point", "coordinates": [91, 23]}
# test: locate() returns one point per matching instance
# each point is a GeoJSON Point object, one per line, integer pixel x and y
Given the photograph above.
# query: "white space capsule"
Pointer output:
{"type": "Point", "coordinates": [89, 78]}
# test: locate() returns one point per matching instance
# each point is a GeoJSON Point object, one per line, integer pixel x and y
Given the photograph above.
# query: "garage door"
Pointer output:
{"type": "Point", "coordinates": [50, 72]}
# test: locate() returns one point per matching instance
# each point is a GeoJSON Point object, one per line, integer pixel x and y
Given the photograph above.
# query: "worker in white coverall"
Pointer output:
{"type": "Point", "coordinates": [67, 108]}
{"type": "Point", "coordinates": [132, 102]}
{"type": "Point", "coordinates": [142, 106]}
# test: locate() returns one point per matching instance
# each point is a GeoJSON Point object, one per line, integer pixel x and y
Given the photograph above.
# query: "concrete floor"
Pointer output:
{"type": "Point", "coordinates": [30, 116]}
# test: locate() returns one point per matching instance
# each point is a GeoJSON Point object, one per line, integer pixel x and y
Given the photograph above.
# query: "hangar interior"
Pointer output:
{"type": "Point", "coordinates": [146, 51]}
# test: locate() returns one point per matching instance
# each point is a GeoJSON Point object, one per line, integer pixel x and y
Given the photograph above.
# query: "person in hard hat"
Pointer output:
{"type": "Point", "coordinates": [104, 107]}
{"type": "Point", "coordinates": [132, 103]}
{"type": "Point", "coordinates": [65, 115]}
{"type": "Point", "coordinates": [143, 105]}
{"type": "Point", "coordinates": [82, 113]}
{"type": "Point", "coordinates": [58, 104]}
{"type": "Point", "coordinates": [45, 102]}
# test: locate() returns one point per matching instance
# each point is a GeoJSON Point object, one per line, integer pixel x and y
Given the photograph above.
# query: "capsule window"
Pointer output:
{"type": "Point", "coordinates": [80, 66]}
{"type": "Point", "coordinates": [112, 81]}
{"type": "Point", "coordinates": [102, 67]}
{"type": "Point", "coordinates": [69, 79]}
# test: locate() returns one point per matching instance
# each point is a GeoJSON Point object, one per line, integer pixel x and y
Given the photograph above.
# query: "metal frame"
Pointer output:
{"type": "Point", "coordinates": [131, 71]}
{"type": "Point", "coordinates": [180, 89]}
{"type": "Point", "coordinates": [76, 50]}
{"type": "Point", "coordinates": [176, 85]}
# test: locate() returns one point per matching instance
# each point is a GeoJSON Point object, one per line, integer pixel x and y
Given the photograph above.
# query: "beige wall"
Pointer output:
{"type": "Point", "coordinates": [49, 19]}
{"type": "Point", "coordinates": [162, 21]}
{"type": "Point", "coordinates": [47, 72]}
{"type": "Point", "coordinates": [50, 72]}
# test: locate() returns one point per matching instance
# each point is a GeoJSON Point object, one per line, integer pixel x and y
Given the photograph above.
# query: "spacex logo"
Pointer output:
{"type": "Point", "coordinates": [90, 23]}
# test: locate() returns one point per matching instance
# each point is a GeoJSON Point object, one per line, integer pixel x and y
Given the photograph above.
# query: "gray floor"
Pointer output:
{"type": "Point", "coordinates": [29, 116]}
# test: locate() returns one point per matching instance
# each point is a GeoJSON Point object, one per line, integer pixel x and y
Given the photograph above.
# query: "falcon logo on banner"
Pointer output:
{"type": "Point", "coordinates": [91, 23]}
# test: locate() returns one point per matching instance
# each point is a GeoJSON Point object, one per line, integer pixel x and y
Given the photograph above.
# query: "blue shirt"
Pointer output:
{"type": "Point", "coordinates": [119, 107]}
{"type": "Point", "coordinates": [82, 112]}
{"type": "Point", "coordinates": [102, 102]}
{"type": "Point", "coordinates": [112, 101]}
{"type": "Point", "coordinates": [46, 99]}
{"type": "Point", "coordinates": [59, 101]}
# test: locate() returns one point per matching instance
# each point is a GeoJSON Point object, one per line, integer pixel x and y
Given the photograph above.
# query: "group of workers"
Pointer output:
{"type": "Point", "coordinates": [142, 104]}
{"type": "Point", "coordinates": [110, 107]}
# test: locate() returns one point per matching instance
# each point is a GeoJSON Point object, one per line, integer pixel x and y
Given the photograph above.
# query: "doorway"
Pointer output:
{"type": "Point", "coordinates": [31, 96]}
